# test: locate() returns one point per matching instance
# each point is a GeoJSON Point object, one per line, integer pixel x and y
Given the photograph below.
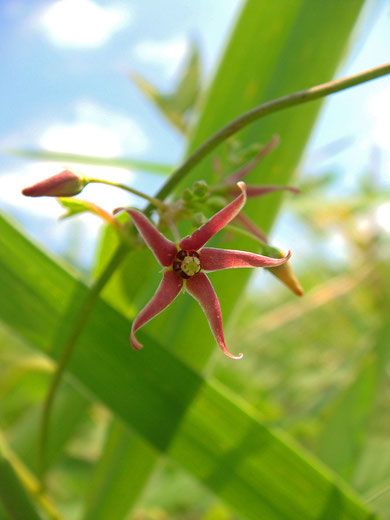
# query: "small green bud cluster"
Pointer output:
{"type": "Point", "coordinates": [237, 154]}
{"type": "Point", "coordinates": [197, 195]}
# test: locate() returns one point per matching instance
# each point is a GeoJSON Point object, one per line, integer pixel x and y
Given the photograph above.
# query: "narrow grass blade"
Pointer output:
{"type": "Point", "coordinates": [218, 440]}
{"type": "Point", "coordinates": [114, 162]}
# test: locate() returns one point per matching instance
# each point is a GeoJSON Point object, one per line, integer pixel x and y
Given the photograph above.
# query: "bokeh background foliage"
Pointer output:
{"type": "Point", "coordinates": [165, 433]}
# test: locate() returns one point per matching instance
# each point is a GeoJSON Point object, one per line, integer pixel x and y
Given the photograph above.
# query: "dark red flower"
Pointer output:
{"type": "Point", "coordinates": [185, 266]}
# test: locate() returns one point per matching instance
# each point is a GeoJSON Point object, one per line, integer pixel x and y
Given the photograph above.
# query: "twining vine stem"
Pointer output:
{"type": "Point", "coordinates": [245, 119]}
{"type": "Point", "coordinates": [297, 98]}
{"type": "Point", "coordinates": [78, 325]}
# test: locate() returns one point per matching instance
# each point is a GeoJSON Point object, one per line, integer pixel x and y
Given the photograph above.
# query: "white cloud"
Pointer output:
{"type": "Point", "coordinates": [167, 55]}
{"type": "Point", "coordinates": [83, 138]}
{"type": "Point", "coordinates": [82, 23]}
{"type": "Point", "coordinates": [13, 181]}
{"type": "Point", "coordinates": [95, 131]}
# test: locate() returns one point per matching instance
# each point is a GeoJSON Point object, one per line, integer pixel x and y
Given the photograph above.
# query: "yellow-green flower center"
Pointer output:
{"type": "Point", "coordinates": [190, 265]}
{"type": "Point", "coordinates": [186, 263]}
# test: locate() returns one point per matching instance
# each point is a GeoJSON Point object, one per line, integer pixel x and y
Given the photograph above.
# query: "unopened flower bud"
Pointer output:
{"type": "Point", "coordinates": [187, 195]}
{"type": "Point", "coordinates": [284, 272]}
{"type": "Point", "coordinates": [64, 184]}
{"type": "Point", "coordinates": [200, 188]}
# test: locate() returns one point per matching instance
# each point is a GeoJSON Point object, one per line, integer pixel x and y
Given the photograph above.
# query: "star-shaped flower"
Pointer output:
{"type": "Point", "coordinates": [185, 266]}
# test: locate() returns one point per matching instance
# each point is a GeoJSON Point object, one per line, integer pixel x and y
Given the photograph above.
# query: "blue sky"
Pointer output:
{"type": "Point", "coordinates": [64, 87]}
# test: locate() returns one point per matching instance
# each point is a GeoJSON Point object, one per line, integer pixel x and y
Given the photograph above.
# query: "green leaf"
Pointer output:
{"type": "Point", "coordinates": [73, 206]}
{"type": "Point", "coordinates": [213, 436]}
{"type": "Point", "coordinates": [241, 83]}
{"type": "Point", "coordinates": [175, 106]}
{"type": "Point", "coordinates": [372, 474]}
{"type": "Point", "coordinates": [120, 475]}
{"type": "Point", "coordinates": [113, 162]}
{"type": "Point", "coordinates": [276, 48]}
{"type": "Point", "coordinates": [69, 410]}
{"type": "Point", "coordinates": [343, 438]}
{"type": "Point", "coordinates": [188, 87]}
{"type": "Point", "coordinates": [13, 495]}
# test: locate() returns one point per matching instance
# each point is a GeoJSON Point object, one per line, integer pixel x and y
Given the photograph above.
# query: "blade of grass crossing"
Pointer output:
{"type": "Point", "coordinates": [343, 438]}
{"type": "Point", "coordinates": [120, 476]}
{"type": "Point", "coordinates": [258, 472]}
{"type": "Point", "coordinates": [14, 497]}
{"type": "Point", "coordinates": [254, 69]}
{"type": "Point", "coordinates": [113, 162]}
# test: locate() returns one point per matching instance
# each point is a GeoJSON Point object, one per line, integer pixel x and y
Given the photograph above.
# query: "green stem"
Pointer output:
{"type": "Point", "coordinates": [297, 98]}
{"type": "Point", "coordinates": [151, 200]}
{"type": "Point", "coordinates": [77, 328]}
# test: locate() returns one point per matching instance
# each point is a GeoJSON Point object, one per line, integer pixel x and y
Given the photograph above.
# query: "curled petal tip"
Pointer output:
{"type": "Point", "coordinates": [242, 186]}
{"type": "Point", "coordinates": [232, 356]}
{"type": "Point", "coordinates": [118, 210]}
{"type": "Point", "coordinates": [134, 341]}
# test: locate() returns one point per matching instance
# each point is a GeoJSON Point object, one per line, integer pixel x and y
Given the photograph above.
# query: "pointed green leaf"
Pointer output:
{"type": "Point", "coordinates": [343, 438]}
{"type": "Point", "coordinates": [276, 48]}
{"type": "Point", "coordinates": [217, 439]}
{"type": "Point", "coordinates": [175, 106]}
{"type": "Point", "coordinates": [13, 495]}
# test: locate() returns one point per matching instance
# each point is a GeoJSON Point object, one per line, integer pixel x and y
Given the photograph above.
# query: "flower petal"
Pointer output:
{"type": "Point", "coordinates": [167, 291]}
{"type": "Point", "coordinates": [212, 259]}
{"type": "Point", "coordinates": [199, 286]}
{"type": "Point", "coordinates": [163, 249]}
{"type": "Point", "coordinates": [216, 223]}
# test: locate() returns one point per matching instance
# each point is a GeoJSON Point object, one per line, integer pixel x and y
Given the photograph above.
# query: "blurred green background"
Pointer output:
{"type": "Point", "coordinates": [180, 432]}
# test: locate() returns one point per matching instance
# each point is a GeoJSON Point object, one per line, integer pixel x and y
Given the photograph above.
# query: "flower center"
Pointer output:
{"type": "Point", "coordinates": [186, 263]}
{"type": "Point", "coordinates": [190, 265]}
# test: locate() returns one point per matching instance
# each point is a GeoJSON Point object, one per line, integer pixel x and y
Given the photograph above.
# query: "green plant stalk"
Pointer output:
{"type": "Point", "coordinates": [297, 98]}
{"type": "Point", "coordinates": [27, 480]}
{"type": "Point", "coordinates": [245, 119]}
{"type": "Point", "coordinates": [151, 200]}
{"type": "Point", "coordinates": [78, 325]}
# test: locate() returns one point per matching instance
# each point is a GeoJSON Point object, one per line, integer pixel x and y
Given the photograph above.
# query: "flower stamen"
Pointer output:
{"type": "Point", "coordinates": [187, 264]}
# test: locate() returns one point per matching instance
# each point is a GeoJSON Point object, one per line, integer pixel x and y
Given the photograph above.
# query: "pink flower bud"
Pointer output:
{"type": "Point", "coordinates": [64, 184]}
